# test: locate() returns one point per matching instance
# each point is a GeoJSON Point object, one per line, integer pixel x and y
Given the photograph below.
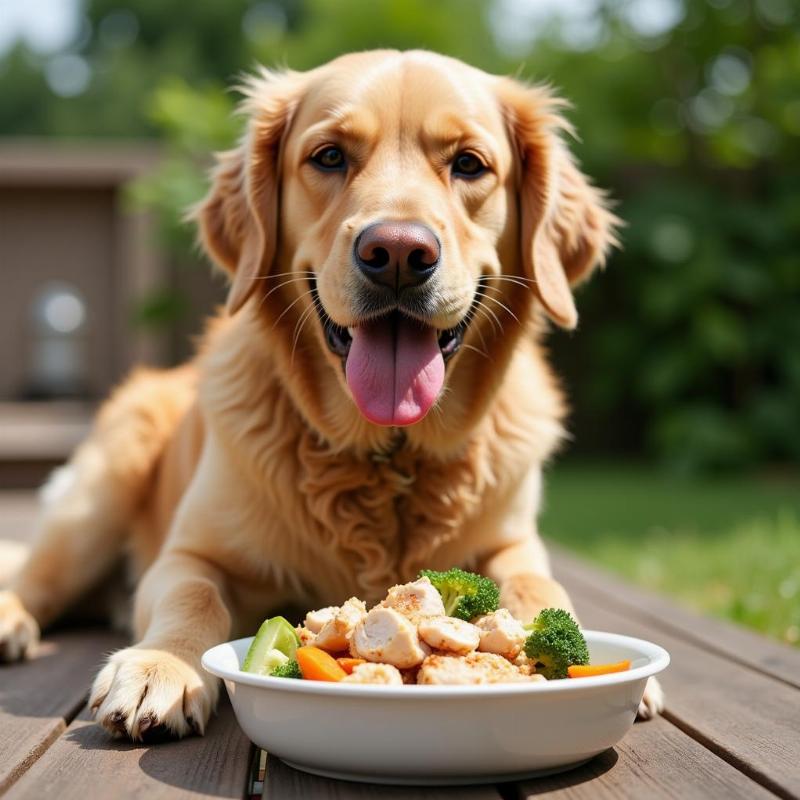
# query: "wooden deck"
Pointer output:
{"type": "Point", "coordinates": [731, 729]}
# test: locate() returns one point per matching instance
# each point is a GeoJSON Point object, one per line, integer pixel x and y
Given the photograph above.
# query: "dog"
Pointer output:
{"type": "Point", "coordinates": [374, 399]}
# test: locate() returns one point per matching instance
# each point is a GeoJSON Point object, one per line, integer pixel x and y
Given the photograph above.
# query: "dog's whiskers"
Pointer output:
{"type": "Point", "coordinates": [480, 336]}
{"type": "Point", "coordinates": [297, 279]}
{"type": "Point", "coordinates": [518, 279]}
{"type": "Point", "coordinates": [281, 285]}
{"type": "Point", "coordinates": [495, 320]}
{"type": "Point", "coordinates": [502, 305]}
{"type": "Point", "coordinates": [299, 325]}
{"type": "Point", "coordinates": [474, 349]}
{"type": "Point", "coordinates": [298, 276]}
{"type": "Point", "coordinates": [282, 274]}
{"type": "Point", "coordinates": [492, 289]}
{"type": "Point", "coordinates": [471, 314]}
{"type": "Point", "coordinates": [291, 305]}
{"type": "Point", "coordinates": [482, 309]}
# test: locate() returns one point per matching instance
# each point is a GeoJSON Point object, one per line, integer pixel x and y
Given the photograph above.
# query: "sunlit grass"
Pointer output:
{"type": "Point", "coordinates": [729, 547]}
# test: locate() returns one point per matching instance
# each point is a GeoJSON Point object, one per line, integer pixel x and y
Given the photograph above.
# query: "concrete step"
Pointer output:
{"type": "Point", "coordinates": [35, 437]}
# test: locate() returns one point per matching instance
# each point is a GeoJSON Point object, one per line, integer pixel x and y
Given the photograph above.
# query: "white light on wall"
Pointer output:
{"type": "Point", "coordinates": [63, 311]}
{"type": "Point", "coordinates": [58, 357]}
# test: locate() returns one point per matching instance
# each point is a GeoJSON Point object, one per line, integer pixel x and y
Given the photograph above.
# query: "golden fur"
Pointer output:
{"type": "Point", "coordinates": [248, 479]}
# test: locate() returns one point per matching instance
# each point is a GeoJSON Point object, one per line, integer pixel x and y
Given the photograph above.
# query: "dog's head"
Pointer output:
{"type": "Point", "coordinates": [398, 215]}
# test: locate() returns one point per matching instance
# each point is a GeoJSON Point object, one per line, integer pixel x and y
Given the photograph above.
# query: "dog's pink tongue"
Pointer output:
{"type": "Point", "coordinates": [395, 375]}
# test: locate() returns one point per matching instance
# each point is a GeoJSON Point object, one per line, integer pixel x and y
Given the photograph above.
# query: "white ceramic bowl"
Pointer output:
{"type": "Point", "coordinates": [440, 734]}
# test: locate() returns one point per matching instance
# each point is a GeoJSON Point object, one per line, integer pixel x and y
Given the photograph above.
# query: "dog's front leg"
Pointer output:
{"type": "Point", "coordinates": [522, 570]}
{"type": "Point", "coordinates": [157, 687]}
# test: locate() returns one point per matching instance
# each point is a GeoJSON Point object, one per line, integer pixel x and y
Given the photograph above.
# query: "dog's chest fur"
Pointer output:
{"type": "Point", "coordinates": [388, 516]}
{"type": "Point", "coordinates": [333, 521]}
{"type": "Point", "coordinates": [341, 522]}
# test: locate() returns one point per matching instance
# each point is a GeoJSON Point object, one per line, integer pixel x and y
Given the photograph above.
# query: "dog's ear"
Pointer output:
{"type": "Point", "coordinates": [238, 218]}
{"type": "Point", "coordinates": [566, 228]}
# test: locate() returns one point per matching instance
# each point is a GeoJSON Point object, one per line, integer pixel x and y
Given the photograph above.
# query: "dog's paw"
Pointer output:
{"type": "Point", "coordinates": [148, 695]}
{"type": "Point", "coordinates": [653, 700]}
{"type": "Point", "coordinates": [19, 631]}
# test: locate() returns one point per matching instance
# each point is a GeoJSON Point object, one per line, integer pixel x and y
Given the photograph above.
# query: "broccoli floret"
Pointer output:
{"type": "Point", "coordinates": [556, 642]}
{"type": "Point", "coordinates": [465, 595]}
{"type": "Point", "coordinates": [291, 669]}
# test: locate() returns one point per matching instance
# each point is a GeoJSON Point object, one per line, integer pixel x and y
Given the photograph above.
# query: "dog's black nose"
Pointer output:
{"type": "Point", "coordinates": [397, 254]}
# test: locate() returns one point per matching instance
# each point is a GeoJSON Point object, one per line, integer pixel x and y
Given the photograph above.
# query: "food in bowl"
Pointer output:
{"type": "Point", "coordinates": [394, 733]}
{"type": "Point", "coordinates": [445, 628]}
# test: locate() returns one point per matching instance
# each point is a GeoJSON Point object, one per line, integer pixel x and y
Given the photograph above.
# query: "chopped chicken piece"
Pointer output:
{"type": "Point", "coordinates": [473, 668]}
{"type": "Point", "coordinates": [520, 659]}
{"type": "Point", "coordinates": [524, 664]}
{"type": "Point", "coordinates": [375, 673]}
{"type": "Point", "coordinates": [415, 600]}
{"type": "Point", "coordinates": [450, 634]}
{"type": "Point", "coordinates": [334, 636]}
{"type": "Point", "coordinates": [387, 636]}
{"type": "Point", "coordinates": [500, 633]}
{"type": "Point", "coordinates": [316, 619]}
{"type": "Point", "coordinates": [307, 637]}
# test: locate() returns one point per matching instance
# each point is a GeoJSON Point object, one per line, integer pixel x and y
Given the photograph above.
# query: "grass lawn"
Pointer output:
{"type": "Point", "coordinates": [725, 546]}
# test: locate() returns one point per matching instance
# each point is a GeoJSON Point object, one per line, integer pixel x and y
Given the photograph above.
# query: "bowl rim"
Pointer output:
{"type": "Point", "coordinates": [658, 660]}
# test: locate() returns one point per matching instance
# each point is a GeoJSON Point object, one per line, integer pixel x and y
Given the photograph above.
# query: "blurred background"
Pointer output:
{"type": "Point", "coordinates": [684, 377]}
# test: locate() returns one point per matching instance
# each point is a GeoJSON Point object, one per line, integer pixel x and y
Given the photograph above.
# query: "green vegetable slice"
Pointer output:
{"type": "Point", "coordinates": [291, 669]}
{"type": "Point", "coordinates": [464, 594]}
{"type": "Point", "coordinates": [276, 643]}
{"type": "Point", "coordinates": [555, 643]}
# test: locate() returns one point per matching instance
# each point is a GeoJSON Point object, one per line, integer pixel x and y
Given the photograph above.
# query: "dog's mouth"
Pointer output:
{"type": "Point", "coordinates": [394, 364]}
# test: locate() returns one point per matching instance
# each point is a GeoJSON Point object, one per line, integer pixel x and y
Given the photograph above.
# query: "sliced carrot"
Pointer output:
{"type": "Point", "coordinates": [349, 664]}
{"type": "Point", "coordinates": [317, 665]}
{"type": "Point", "coordinates": [587, 671]}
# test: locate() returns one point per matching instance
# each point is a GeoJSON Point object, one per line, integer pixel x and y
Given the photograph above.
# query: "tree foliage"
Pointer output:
{"type": "Point", "coordinates": [688, 345]}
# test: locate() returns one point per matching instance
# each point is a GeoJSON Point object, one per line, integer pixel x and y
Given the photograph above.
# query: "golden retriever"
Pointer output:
{"type": "Point", "coordinates": [374, 399]}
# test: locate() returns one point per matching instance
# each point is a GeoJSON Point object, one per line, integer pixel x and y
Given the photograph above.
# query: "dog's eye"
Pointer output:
{"type": "Point", "coordinates": [329, 158]}
{"type": "Point", "coordinates": [468, 165]}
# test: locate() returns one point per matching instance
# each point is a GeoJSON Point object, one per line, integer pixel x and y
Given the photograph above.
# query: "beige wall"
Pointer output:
{"type": "Point", "coordinates": [62, 219]}
{"type": "Point", "coordinates": [63, 235]}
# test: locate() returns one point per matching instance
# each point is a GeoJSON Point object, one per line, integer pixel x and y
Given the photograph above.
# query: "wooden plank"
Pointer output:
{"type": "Point", "coordinates": [86, 763]}
{"type": "Point", "coordinates": [748, 719]}
{"type": "Point", "coordinates": [734, 642]}
{"type": "Point", "coordinates": [38, 698]}
{"type": "Point", "coordinates": [285, 783]}
{"type": "Point", "coordinates": [655, 760]}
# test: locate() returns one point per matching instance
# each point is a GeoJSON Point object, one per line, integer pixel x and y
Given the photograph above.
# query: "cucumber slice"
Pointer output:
{"type": "Point", "coordinates": [275, 634]}
{"type": "Point", "coordinates": [274, 658]}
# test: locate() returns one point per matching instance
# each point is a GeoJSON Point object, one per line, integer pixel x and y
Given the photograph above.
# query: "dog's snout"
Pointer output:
{"type": "Point", "coordinates": [397, 254]}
